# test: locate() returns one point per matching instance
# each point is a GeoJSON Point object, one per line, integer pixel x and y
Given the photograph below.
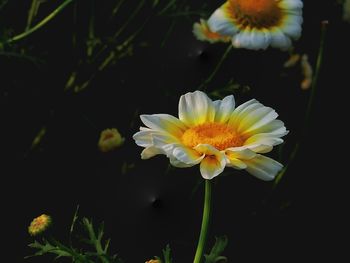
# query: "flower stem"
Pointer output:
{"type": "Point", "coordinates": [41, 23]}
{"type": "Point", "coordinates": [205, 223]}
{"type": "Point", "coordinates": [310, 102]}
{"type": "Point", "coordinates": [316, 76]}
{"type": "Point", "coordinates": [216, 69]}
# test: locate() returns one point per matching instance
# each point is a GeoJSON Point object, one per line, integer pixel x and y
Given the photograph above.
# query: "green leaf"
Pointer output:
{"type": "Point", "coordinates": [47, 248]}
{"type": "Point", "coordinates": [167, 254]}
{"type": "Point", "coordinates": [217, 250]}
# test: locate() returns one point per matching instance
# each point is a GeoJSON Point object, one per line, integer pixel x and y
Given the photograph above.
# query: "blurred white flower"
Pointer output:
{"type": "Point", "coordinates": [257, 24]}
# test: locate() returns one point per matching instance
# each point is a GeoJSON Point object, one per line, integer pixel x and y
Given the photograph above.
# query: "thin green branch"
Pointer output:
{"type": "Point", "coordinates": [317, 74]}
{"type": "Point", "coordinates": [310, 102]}
{"type": "Point", "coordinates": [216, 69]}
{"type": "Point", "coordinates": [122, 28]}
{"type": "Point", "coordinates": [41, 23]}
{"type": "Point", "coordinates": [91, 43]}
{"type": "Point", "coordinates": [117, 7]}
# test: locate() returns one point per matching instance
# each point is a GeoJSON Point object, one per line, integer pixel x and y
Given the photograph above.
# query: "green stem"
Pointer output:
{"type": "Point", "coordinates": [216, 69]}
{"type": "Point", "coordinates": [91, 40]}
{"type": "Point", "coordinates": [41, 23]}
{"type": "Point", "coordinates": [317, 73]}
{"type": "Point", "coordinates": [205, 223]}
{"type": "Point", "coordinates": [32, 13]}
{"type": "Point", "coordinates": [310, 103]}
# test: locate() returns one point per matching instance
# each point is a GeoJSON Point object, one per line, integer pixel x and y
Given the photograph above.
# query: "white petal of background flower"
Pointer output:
{"type": "Point", "coordinates": [219, 22]}
{"type": "Point", "coordinates": [280, 40]}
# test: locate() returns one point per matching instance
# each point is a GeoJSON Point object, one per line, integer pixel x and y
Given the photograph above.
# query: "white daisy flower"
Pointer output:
{"type": "Point", "coordinates": [215, 134]}
{"type": "Point", "coordinates": [257, 24]}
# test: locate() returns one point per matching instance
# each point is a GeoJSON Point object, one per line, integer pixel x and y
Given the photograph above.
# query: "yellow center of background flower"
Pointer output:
{"type": "Point", "coordinates": [218, 135]}
{"type": "Point", "coordinates": [256, 13]}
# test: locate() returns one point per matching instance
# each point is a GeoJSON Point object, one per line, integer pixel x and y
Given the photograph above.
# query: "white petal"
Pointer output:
{"type": "Point", "coordinates": [242, 153]}
{"type": "Point", "coordinates": [291, 4]}
{"type": "Point", "coordinates": [196, 108]}
{"type": "Point", "coordinates": [256, 119]}
{"type": "Point", "coordinates": [143, 138]}
{"type": "Point", "coordinates": [164, 122]}
{"type": "Point", "coordinates": [292, 26]}
{"type": "Point", "coordinates": [224, 109]}
{"type": "Point", "coordinates": [263, 167]}
{"type": "Point", "coordinates": [260, 148]}
{"type": "Point", "coordinates": [280, 40]}
{"type": "Point", "coordinates": [175, 162]}
{"type": "Point", "coordinates": [252, 39]}
{"type": "Point", "coordinates": [263, 138]}
{"type": "Point", "coordinates": [262, 143]}
{"type": "Point", "coordinates": [214, 162]}
{"type": "Point", "coordinates": [242, 111]}
{"type": "Point", "coordinates": [187, 155]}
{"type": "Point", "coordinates": [241, 40]}
{"type": "Point", "coordinates": [237, 164]}
{"type": "Point", "coordinates": [198, 30]}
{"type": "Point", "coordinates": [241, 107]}
{"type": "Point", "coordinates": [274, 128]}
{"type": "Point", "coordinates": [161, 139]}
{"type": "Point", "coordinates": [207, 149]}
{"type": "Point", "coordinates": [149, 152]}
{"type": "Point", "coordinates": [221, 21]}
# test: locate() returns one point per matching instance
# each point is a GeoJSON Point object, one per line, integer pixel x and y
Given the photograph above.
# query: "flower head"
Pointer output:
{"type": "Point", "coordinates": [109, 140]}
{"type": "Point", "coordinates": [214, 134]}
{"type": "Point", "coordinates": [257, 24]}
{"type": "Point", "coordinates": [39, 224]}
{"type": "Point", "coordinates": [203, 33]}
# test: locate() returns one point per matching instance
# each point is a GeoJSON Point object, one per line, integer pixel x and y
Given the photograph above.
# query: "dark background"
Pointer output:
{"type": "Point", "coordinates": [148, 204]}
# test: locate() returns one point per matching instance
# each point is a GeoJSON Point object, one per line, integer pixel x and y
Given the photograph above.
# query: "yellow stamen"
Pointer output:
{"type": "Point", "coordinates": [256, 13]}
{"type": "Point", "coordinates": [218, 135]}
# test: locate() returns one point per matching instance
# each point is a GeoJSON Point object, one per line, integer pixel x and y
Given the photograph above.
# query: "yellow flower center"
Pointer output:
{"type": "Point", "coordinates": [219, 135]}
{"type": "Point", "coordinates": [256, 13]}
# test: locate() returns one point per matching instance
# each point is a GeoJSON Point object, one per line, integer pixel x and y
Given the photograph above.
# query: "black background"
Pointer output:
{"type": "Point", "coordinates": [151, 204]}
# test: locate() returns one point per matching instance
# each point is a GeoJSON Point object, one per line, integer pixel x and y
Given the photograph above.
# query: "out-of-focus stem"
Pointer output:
{"type": "Point", "coordinates": [41, 23]}
{"type": "Point", "coordinates": [216, 69]}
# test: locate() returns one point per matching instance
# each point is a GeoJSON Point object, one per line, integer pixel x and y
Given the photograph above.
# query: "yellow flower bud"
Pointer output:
{"type": "Point", "coordinates": [109, 140]}
{"type": "Point", "coordinates": [39, 224]}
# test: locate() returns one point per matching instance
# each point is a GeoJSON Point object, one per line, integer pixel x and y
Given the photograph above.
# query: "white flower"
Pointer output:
{"type": "Point", "coordinates": [215, 134]}
{"type": "Point", "coordinates": [257, 24]}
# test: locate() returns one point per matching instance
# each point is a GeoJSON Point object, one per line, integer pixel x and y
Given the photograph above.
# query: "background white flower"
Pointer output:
{"type": "Point", "coordinates": [215, 134]}
{"type": "Point", "coordinates": [257, 24]}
